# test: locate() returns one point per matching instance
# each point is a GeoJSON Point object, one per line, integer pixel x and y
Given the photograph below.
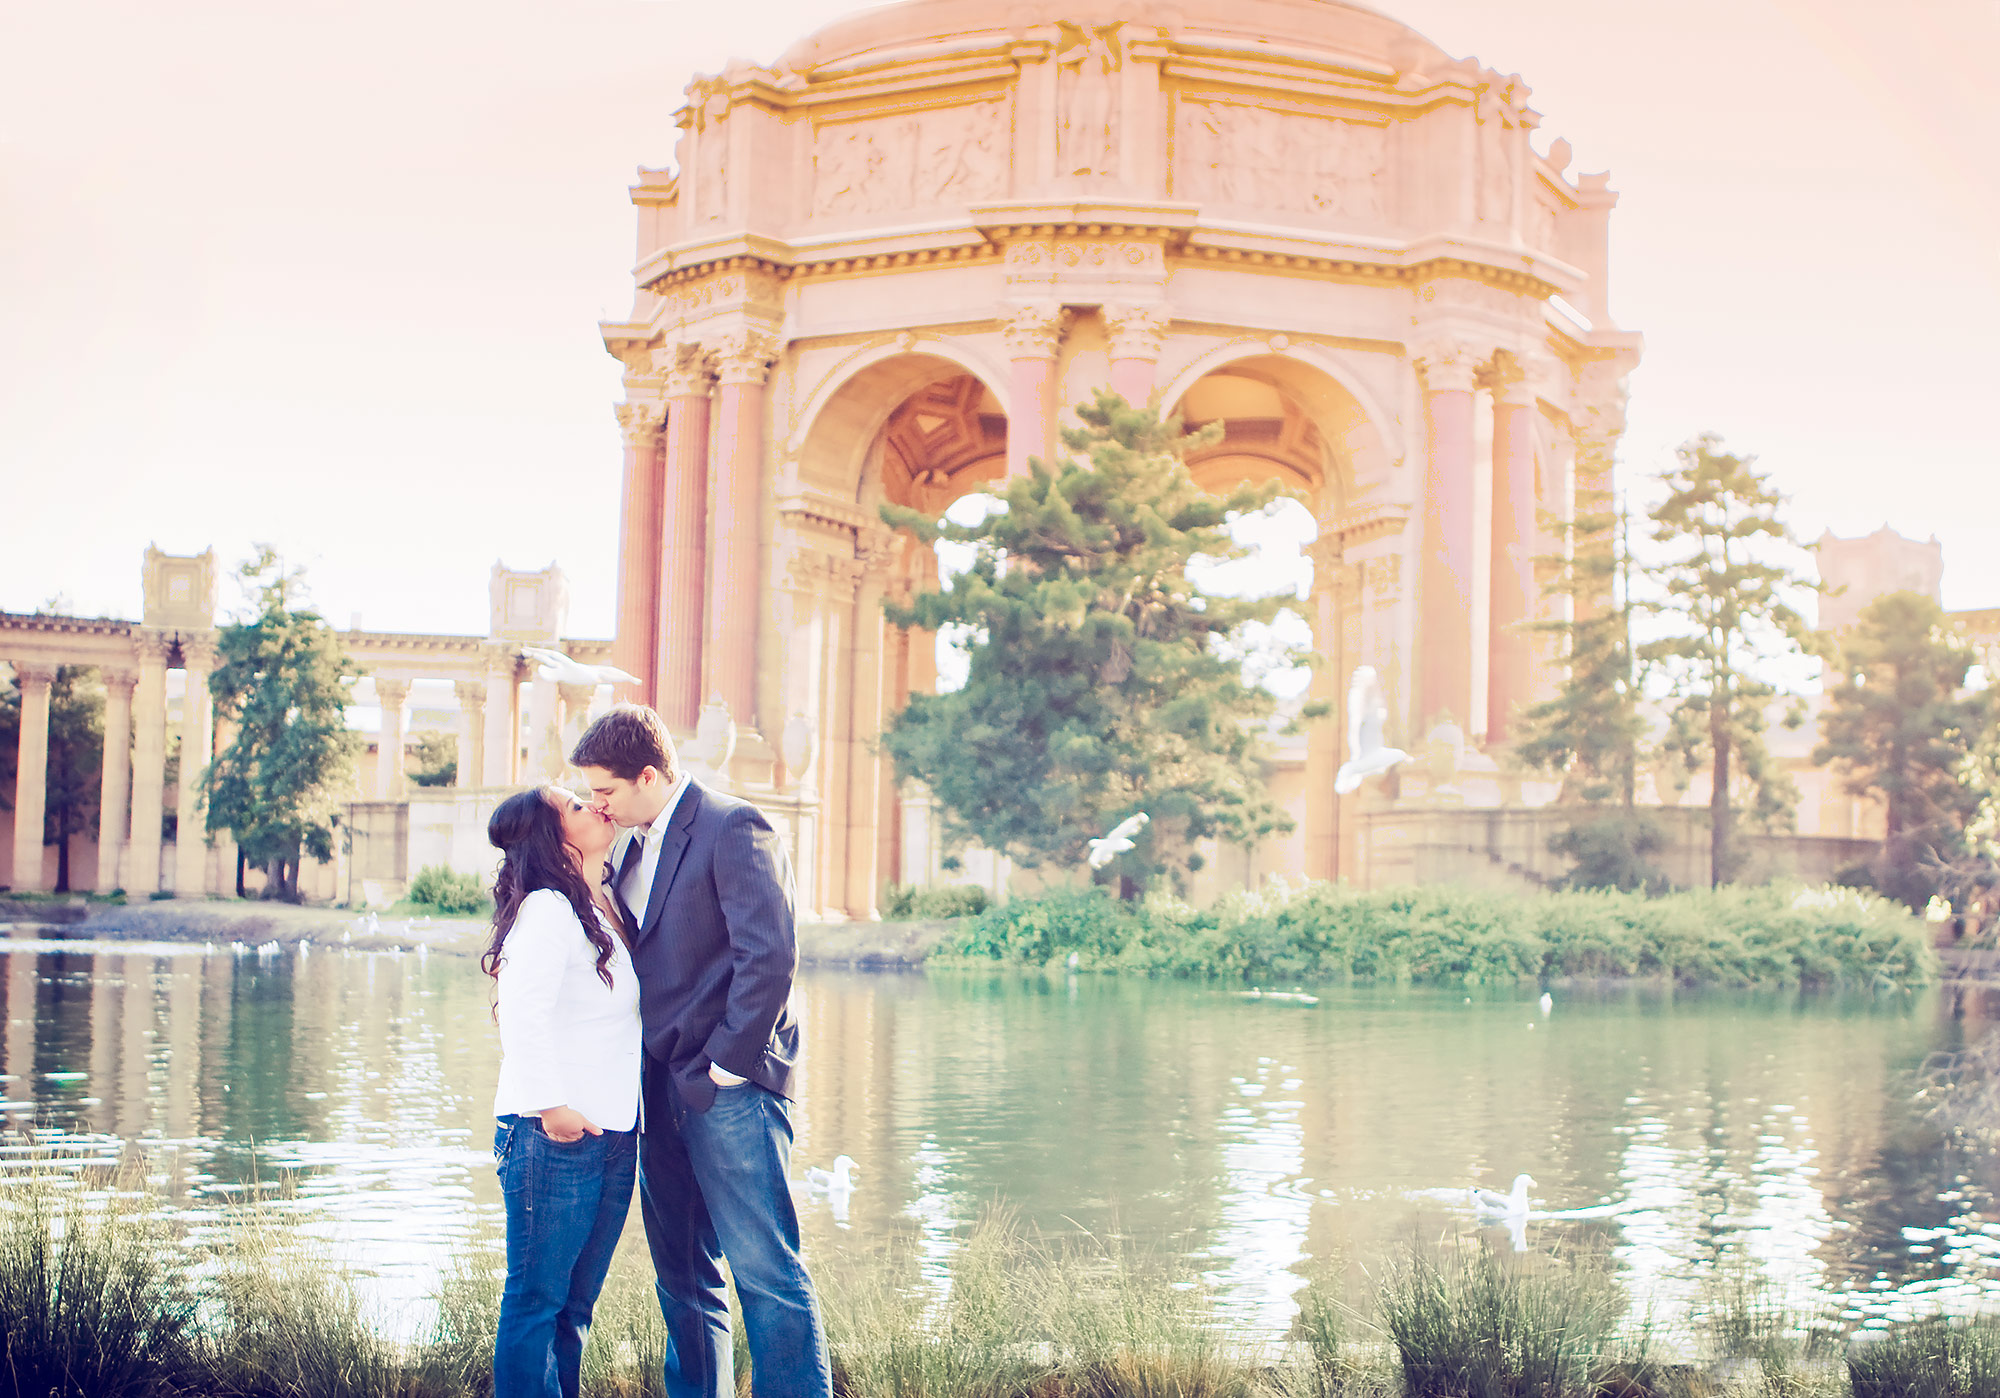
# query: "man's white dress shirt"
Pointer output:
{"type": "Point", "coordinates": [566, 1038]}
{"type": "Point", "coordinates": [637, 889]}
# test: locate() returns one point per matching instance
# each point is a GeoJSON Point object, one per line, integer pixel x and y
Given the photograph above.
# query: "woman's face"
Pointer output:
{"type": "Point", "coordinates": [586, 831]}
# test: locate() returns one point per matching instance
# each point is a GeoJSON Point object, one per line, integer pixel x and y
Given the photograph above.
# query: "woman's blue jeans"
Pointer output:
{"type": "Point", "coordinates": [566, 1206]}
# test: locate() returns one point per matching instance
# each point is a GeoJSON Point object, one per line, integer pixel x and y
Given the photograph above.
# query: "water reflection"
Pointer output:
{"type": "Point", "coordinates": [1259, 1141]}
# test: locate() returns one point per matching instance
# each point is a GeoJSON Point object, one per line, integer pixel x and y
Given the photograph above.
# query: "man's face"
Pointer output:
{"type": "Point", "coordinates": [627, 800]}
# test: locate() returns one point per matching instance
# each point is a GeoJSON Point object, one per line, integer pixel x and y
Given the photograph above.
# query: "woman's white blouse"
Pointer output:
{"type": "Point", "coordinates": [566, 1038]}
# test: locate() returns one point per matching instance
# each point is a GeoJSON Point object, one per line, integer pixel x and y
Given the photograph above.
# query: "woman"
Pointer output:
{"type": "Point", "coordinates": [568, 1103]}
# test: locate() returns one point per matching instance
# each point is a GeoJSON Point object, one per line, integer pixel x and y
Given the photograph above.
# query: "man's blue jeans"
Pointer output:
{"type": "Point", "coordinates": [566, 1206]}
{"type": "Point", "coordinates": [714, 1185]}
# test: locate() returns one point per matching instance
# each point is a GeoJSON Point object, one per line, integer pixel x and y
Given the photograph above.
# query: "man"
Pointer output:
{"type": "Point", "coordinates": [708, 891]}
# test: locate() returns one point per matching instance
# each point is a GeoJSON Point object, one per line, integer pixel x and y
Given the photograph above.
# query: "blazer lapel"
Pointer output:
{"type": "Point", "coordinates": [672, 847]}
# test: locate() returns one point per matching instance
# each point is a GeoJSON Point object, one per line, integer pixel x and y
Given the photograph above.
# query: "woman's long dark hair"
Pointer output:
{"type": "Point", "coordinates": [528, 832]}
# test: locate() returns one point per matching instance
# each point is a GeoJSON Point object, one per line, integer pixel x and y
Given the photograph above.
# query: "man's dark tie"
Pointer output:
{"type": "Point", "coordinates": [634, 852]}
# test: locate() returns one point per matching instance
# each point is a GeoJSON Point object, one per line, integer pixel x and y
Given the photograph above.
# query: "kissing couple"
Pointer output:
{"type": "Point", "coordinates": [643, 951]}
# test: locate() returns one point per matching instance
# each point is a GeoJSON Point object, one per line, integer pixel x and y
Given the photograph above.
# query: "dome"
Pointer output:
{"type": "Point", "coordinates": [1328, 29]}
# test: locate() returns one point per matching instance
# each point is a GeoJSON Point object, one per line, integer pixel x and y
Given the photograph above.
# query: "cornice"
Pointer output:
{"type": "Point", "coordinates": [42, 624]}
{"type": "Point", "coordinates": [825, 512]}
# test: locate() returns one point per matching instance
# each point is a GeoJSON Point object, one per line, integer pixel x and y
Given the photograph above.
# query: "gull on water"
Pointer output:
{"type": "Point", "coordinates": [565, 670]}
{"type": "Point", "coordinates": [838, 1180]}
{"type": "Point", "coordinates": [1548, 1002]}
{"type": "Point", "coordinates": [1488, 1204]}
{"type": "Point", "coordinates": [1367, 711]}
{"type": "Point", "coordinates": [1119, 839]}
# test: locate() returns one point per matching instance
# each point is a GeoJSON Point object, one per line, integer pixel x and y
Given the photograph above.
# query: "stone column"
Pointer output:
{"type": "Point", "coordinates": [1445, 587]}
{"type": "Point", "coordinates": [113, 818]}
{"type": "Point", "coordinates": [683, 555]}
{"type": "Point", "coordinates": [864, 780]}
{"type": "Point", "coordinates": [31, 775]}
{"type": "Point", "coordinates": [149, 765]}
{"type": "Point", "coordinates": [1326, 738]}
{"type": "Point", "coordinates": [1510, 649]}
{"type": "Point", "coordinates": [638, 547]}
{"type": "Point", "coordinates": [1136, 333]}
{"type": "Point", "coordinates": [472, 731]}
{"type": "Point", "coordinates": [734, 608]}
{"type": "Point", "coordinates": [223, 853]}
{"type": "Point", "coordinates": [389, 747]}
{"type": "Point", "coordinates": [573, 713]}
{"type": "Point", "coordinates": [197, 747]}
{"type": "Point", "coordinates": [503, 730]}
{"type": "Point", "coordinates": [1034, 335]}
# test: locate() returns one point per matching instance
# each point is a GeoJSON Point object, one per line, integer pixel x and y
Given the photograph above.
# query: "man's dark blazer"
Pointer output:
{"type": "Point", "coordinates": [717, 949]}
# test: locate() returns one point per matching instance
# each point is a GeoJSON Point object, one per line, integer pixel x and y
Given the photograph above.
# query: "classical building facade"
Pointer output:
{"type": "Point", "coordinates": [885, 267]}
{"type": "Point", "coordinates": [511, 726]}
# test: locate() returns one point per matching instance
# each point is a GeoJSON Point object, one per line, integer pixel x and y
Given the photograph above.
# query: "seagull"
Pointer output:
{"type": "Point", "coordinates": [560, 668]}
{"type": "Point", "coordinates": [1487, 1204]}
{"type": "Point", "coordinates": [1367, 711]}
{"type": "Point", "coordinates": [1548, 1002]}
{"type": "Point", "coordinates": [1110, 846]}
{"type": "Point", "coordinates": [838, 1180]}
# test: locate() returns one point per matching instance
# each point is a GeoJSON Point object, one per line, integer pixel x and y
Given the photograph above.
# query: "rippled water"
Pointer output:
{"type": "Point", "coordinates": [1261, 1140]}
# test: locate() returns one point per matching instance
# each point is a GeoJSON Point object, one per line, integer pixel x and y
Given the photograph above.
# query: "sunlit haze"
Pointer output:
{"type": "Point", "coordinates": [329, 276]}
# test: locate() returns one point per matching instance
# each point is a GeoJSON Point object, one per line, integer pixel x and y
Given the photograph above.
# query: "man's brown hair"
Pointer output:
{"type": "Point", "coordinates": [625, 740]}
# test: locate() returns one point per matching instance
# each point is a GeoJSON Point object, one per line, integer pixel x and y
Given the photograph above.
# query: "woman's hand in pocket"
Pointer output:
{"type": "Point", "coordinates": [568, 1125]}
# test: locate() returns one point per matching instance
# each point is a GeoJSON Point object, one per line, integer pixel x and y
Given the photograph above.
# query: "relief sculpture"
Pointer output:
{"type": "Point", "coordinates": [1261, 157]}
{"type": "Point", "coordinates": [947, 155]}
{"type": "Point", "coordinates": [1086, 135]}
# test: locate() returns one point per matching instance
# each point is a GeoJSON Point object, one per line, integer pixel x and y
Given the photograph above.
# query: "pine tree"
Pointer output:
{"type": "Point", "coordinates": [76, 761]}
{"type": "Point", "coordinates": [280, 679]}
{"type": "Point", "coordinates": [1100, 681]}
{"type": "Point", "coordinates": [1900, 727]}
{"type": "Point", "coordinates": [1718, 517]}
{"type": "Point", "coordinates": [1588, 731]}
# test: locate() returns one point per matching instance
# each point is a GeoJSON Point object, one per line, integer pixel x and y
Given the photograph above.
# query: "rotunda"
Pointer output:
{"type": "Point", "coordinates": [887, 265]}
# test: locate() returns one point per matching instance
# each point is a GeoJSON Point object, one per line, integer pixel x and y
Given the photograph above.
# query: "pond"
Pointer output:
{"type": "Point", "coordinates": [1259, 1139]}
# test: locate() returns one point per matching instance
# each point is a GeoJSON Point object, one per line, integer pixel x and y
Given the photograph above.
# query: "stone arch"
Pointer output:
{"type": "Point", "coordinates": [1355, 425]}
{"type": "Point", "coordinates": [842, 419]}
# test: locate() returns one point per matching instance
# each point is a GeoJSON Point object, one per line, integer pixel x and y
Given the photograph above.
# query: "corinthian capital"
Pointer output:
{"type": "Point", "coordinates": [639, 421]}
{"type": "Point", "coordinates": [690, 374]}
{"type": "Point", "coordinates": [1448, 364]}
{"type": "Point", "coordinates": [1036, 331]}
{"type": "Point", "coordinates": [1135, 331]}
{"type": "Point", "coordinates": [744, 354]}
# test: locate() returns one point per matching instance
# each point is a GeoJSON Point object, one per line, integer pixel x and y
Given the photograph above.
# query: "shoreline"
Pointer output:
{"type": "Point", "coordinates": [889, 946]}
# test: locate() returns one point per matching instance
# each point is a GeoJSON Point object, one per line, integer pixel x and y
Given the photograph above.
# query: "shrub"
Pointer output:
{"type": "Point", "coordinates": [1446, 935]}
{"type": "Point", "coordinates": [438, 887]}
{"type": "Point", "coordinates": [908, 900]}
{"type": "Point", "coordinates": [1614, 850]}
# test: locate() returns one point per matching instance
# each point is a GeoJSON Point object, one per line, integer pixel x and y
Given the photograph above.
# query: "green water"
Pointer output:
{"type": "Point", "coordinates": [1261, 1141]}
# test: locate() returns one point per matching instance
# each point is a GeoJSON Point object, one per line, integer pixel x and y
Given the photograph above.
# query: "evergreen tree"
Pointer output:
{"type": "Point", "coordinates": [435, 761]}
{"type": "Point", "coordinates": [1717, 520]}
{"type": "Point", "coordinates": [1900, 727]}
{"type": "Point", "coordinates": [76, 761]}
{"type": "Point", "coordinates": [1588, 731]}
{"type": "Point", "coordinates": [280, 679]}
{"type": "Point", "coordinates": [1100, 680]}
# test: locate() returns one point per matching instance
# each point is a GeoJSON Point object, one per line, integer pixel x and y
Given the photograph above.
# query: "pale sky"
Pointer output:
{"type": "Point", "coordinates": [328, 275]}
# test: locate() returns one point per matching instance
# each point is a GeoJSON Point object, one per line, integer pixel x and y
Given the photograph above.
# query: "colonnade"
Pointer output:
{"type": "Point", "coordinates": [1452, 370]}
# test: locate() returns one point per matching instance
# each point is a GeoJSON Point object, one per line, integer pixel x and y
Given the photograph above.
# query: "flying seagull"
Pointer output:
{"type": "Point", "coordinates": [1109, 847]}
{"type": "Point", "coordinates": [563, 670]}
{"type": "Point", "coordinates": [1367, 711]}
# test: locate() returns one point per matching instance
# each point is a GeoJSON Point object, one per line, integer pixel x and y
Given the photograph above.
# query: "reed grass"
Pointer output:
{"type": "Point", "coordinates": [103, 1296]}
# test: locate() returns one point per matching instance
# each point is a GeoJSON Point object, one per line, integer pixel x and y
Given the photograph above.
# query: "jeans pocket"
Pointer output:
{"type": "Point", "coordinates": [503, 1138]}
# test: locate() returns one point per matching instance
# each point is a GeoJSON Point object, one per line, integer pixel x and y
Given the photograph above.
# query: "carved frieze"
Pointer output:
{"type": "Point", "coordinates": [1232, 153]}
{"type": "Point", "coordinates": [733, 290]}
{"type": "Point", "coordinates": [942, 155]}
